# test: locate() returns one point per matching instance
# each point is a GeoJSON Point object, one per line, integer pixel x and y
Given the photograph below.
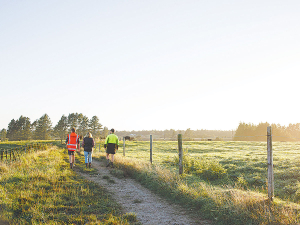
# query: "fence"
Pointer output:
{"type": "Point", "coordinates": [268, 153]}
{"type": "Point", "coordinates": [14, 153]}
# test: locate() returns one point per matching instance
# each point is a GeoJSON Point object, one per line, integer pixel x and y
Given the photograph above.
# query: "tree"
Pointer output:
{"type": "Point", "coordinates": [61, 128]}
{"type": "Point", "coordinates": [3, 134]}
{"type": "Point", "coordinates": [19, 129]}
{"type": "Point", "coordinates": [12, 130]}
{"type": "Point", "coordinates": [294, 131]}
{"type": "Point", "coordinates": [95, 127]}
{"type": "Point", "coordinates": [261, 131]}
{"type": "Point", "coordinates": [24, 128]}
{"type": "Point", "coordinates": [188, 134]}
{"type": "Point", "coordinates": [280, 133]}
{"type": "Point", "coordinates": [43, 128]}
{"type": "Point", "coordinates": [83, 125]}
{"type": "Point", "coordinates": [73, 120]}
{"type": "Point", "coordinates": [104, 133]}
{"type": "Point", "coordinates": [245, 132]}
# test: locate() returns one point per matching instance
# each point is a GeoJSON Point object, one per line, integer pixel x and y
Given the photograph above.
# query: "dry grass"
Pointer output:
{"type": "Point", "coordinates": [41, 189]}
{"type": "Point", "coordinates": [224, 205]}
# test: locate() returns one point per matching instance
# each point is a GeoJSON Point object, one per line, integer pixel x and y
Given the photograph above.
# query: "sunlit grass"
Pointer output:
{"type": "Point", "coordinates": [233, 188]}
{"type": "Point", "coordinates": [41, 189]}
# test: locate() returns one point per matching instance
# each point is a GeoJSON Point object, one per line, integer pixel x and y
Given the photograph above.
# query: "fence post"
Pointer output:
{"type": "Point", "coordinates": [1, 150]}
{"type": "Point", "coordinates": [123, 146]}
{"type": "Point", "coordinates": [270, 164]}
{"type": "Point", "coordinates": [151, 148]}
{"type": "Point", "coordinates": [180, 154]}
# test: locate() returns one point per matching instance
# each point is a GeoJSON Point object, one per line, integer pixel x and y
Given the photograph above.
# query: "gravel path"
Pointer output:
{"type": "Point", "coordinates": [150, 209]}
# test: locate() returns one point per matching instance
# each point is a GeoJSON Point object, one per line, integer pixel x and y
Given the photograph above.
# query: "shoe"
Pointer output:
{"type": "Point", "coordinates": [108, 163]}
{"type": "Point", "coordinates": [112, 165]}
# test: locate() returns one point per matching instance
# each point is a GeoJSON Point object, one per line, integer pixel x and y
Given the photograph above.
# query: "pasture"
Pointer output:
{"type": "Point", "coordinates": [245, 163]}
{"type": "Point", "coordinates": [223, 181]}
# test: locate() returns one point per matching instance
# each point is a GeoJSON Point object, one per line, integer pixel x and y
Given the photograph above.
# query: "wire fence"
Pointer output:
{"type": "Point", "coordinates": [13, 153]}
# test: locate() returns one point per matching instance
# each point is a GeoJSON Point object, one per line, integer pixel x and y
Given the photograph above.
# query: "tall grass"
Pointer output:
{"type": "Point", "coordinates": [41, 189]}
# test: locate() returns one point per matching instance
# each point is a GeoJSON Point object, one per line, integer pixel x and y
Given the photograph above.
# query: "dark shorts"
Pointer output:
{"type": "Point", "coordinates": [110, 151]}
{"type": "Point", "coordinates": [111, 148]}
{"type": "Point", "coordinates": [71, 152]}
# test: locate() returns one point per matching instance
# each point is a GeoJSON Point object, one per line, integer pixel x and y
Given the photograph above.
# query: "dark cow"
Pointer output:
{"type": "Point", "coordinates": [128, 138]}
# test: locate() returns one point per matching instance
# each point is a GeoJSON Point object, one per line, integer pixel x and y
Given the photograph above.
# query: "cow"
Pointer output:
{"type": "Point", "coordinates": [128, 138]}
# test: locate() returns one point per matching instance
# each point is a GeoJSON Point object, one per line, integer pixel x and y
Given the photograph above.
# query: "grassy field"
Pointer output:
{"type": "Point", "coordinates": [244, 163]}
{"type": "Point", "coordinates": [224, 181]}
{"type": "Point", "coordinates": [41, 189]}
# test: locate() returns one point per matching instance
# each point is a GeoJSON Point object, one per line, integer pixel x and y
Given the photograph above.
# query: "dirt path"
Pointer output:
{"type": "Point", "coordinates": [150, 209]}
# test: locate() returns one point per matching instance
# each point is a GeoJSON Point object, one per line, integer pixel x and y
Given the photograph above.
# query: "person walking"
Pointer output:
{"type": "Point", "coordinates": [88, 143]}
{"type": "Point", "coordinates": [111, 144]}
{"type": "Point", "coordinates": [72, 143]}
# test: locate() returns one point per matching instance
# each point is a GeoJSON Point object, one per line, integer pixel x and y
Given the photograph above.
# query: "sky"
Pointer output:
{"type": "Point", "coordinates": [143, 65]}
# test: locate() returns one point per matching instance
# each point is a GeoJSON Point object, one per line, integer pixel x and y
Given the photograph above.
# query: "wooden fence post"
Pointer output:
{"type": "Point", "coordinates": [180, 154]}
{"type": "Point", "coordinates": [151, 148]}
{"type": "Point", "coordinates": [270, 164]}
{"type": "Point", "coordinates": [123, 146]}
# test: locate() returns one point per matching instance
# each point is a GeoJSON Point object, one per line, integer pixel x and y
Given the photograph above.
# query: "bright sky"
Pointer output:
{"type": "Point", "coordinates": [161, 64]}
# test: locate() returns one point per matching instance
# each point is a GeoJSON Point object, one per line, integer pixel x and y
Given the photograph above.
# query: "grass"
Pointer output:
{"type": "Point", "coordinates": [223, 181]}
{"type": "Point", "coordinates": [41, 189]}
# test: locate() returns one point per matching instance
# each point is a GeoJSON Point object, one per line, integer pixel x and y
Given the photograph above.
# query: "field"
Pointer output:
{"type": "Point", "coordinates": [226, 181]}
{"type": "Point", "coordinates": [222, 181]}
{"type": "Point", "coordinates": [245, 163]}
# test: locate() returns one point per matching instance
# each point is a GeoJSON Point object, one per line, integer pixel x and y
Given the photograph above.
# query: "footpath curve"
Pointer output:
{"type": "Point", "coordinates": [149, 208]}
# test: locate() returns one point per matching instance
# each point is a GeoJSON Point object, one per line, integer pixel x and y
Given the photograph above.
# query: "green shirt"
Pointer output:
{"type": "Point", "coordinates": [112, 138]}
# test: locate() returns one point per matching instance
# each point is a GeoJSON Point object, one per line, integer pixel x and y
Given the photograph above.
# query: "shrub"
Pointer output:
{"type": "Point", "coordinates": [207, 169]}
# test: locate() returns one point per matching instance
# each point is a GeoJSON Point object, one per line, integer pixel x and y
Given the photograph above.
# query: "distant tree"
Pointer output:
{"type": "Point", "coordinates": [188, 134]}
{"type": "Point", "coordinates": [12, 130]}
{"type": "Point", "coordinates": [83, 125]}
{"type": "Point", "coordinates": [73, 120]}
{"type": "Point", "coordinates": [24, 128]}
{"type": "Point", "coordinates": [61, 128]}
{"type": "Point", "coordinates": [245, 132]}
{"type": "Point", "coordinates": [294, 131]}
{"type": "Point", "coordinates": [95, 127]}
{"type": "Point", "coordinates": [261, 131]}
{"type": "Point", "coordinates": [280, 133]}
{"type": "Point", "coordinates": [43, 128]}
{"type": "Point", "coordinates": [19, 129]}
{"type": "Point", "coordinates": [104, 133]}
{"type": "Point", "coordinates": [3, 134]}
{"type": "Point", "coordinates": [79, 120]}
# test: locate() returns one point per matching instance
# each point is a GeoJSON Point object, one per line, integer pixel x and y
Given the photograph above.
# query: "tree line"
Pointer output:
{"type": "Point", "coordinates": [41, 129]}
{"type": "Point", "coordinates": [251, 132]}
{"type": "Point", "coordinates": [188, 134]}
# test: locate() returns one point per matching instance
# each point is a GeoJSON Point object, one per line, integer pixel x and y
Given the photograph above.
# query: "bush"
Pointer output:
{"type": "Point", "coordinates": [207, 169]}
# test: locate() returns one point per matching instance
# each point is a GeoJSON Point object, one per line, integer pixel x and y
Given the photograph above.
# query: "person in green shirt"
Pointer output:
{"type": "Point", "coordinates": [111, 145]}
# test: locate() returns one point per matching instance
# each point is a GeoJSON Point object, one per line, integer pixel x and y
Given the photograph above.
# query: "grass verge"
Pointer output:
{"type": "Point", "coordinates": [41, 189]}
{"type": "Point", "coordinates": [223, 205]}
